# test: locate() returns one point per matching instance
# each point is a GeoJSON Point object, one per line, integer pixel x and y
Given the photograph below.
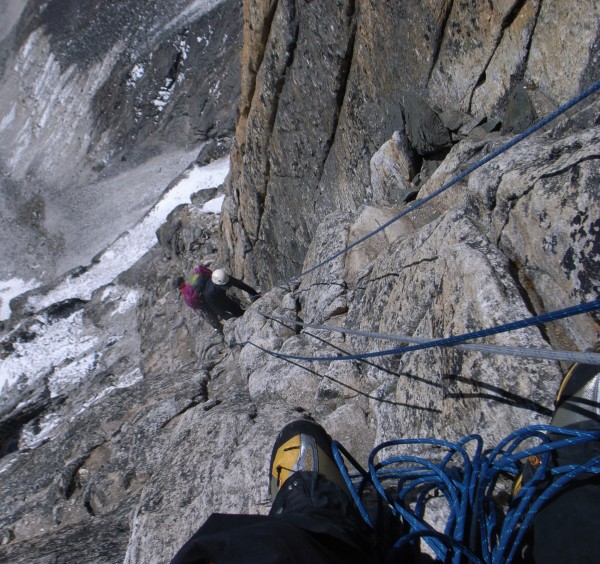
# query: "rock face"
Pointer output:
{"type": "Point", "coordinates": [122, 451]}
{"type": "Point", "coordinates": [323, 89]}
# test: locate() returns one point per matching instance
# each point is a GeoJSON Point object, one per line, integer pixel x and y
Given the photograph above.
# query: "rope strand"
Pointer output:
{"type": "Point", "coordinates": [448, 341]}
{"type": "Point", "coordinates": [542, 354]}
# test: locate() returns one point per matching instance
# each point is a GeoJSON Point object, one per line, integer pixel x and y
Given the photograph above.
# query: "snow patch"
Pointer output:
{"type": "Point", "coordinates": [10, 289]}
{"type": "Point", "coordinates": [129, 379]}
{"type": "Point", "coordinates": [32, 439]}
{"type": "Point", "coordinates": [183, 47]}
{"type": "Point", "coordinates": [134, 244]}
{"type": "Point", "coordinates": [8, 464]}
{"type": "Point", "coordinates": [127, 302]}
{"type": "Point", "coordinates": [53, 345]}
{"type": "Point", "coordinates": [213, 206]}
{"type": "Point", "coordinates": [164, 95]}
{"type": "Point", "coordinates": [9, 117]}
{"type": "Point", "coordinates": [195, 9]}
{"type": "Point", "coordinates": [124, 381]}
{"type": "Point", "coordinates": [135, 74]}
{"type": "Point", "coordinates": [72, 373]}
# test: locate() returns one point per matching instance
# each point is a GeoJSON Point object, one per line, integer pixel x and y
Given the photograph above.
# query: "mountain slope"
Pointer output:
{"type": "Point", "coordinates": [158, 420]}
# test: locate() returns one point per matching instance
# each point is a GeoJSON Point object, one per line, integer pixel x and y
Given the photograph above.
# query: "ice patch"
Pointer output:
{"type": "Point", "coordinates": [213, 206]}
{"type": "Point", "coordinates": [10, 289]}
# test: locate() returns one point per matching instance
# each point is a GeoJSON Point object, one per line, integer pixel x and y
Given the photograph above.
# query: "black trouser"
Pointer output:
{"type": "Point", "coordinates": [566, 528]}
{"type": "Point", "coordinates": [311, 520]}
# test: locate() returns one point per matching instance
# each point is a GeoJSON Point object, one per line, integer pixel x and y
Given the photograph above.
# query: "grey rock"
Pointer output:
{"type": "Point", "coordinates": [121, 451]}
{"type": "Point", "coordinates": [392, 169]}
{"type": "Point", "coordinates": [424, 128]}
{"type": "Point", "coordinates": [303, 152]}
{"type": "Point", "coordinates": [104, 105]}
{"type": "Point", "coordinates": [520, 113]}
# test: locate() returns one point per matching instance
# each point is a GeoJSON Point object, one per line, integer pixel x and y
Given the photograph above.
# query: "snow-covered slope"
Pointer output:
{"type": "Point", "coordinates": [102, 105]}
{"type": "Point", "coordinates": [53, 344]}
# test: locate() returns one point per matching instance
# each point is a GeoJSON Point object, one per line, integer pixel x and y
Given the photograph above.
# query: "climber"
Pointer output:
{"type": "Point", "coordinates": [206, 291]}
{"type": "Point", "coordinates": [314, 519]}
{"type": "Point", "coordinates": [193, 294]}
{"type": "Point", "coordinates": [215, 294]}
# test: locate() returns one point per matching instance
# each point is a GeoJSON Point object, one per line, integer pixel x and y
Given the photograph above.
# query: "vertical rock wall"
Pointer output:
{"type": "Point", "coordinates": [324, 86]}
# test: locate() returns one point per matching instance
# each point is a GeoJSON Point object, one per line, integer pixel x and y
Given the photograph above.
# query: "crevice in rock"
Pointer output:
{"type": "Point", "coordinates": [345, 68]}
{"type": "Point", "coordinates": [533, 302]}
{"type": "Point", "coordinates": [438, 41]}
{"type": "Point", "coordinates": [87, 503]}
{"type": "Point", "coordinates": [69, 478]}
{"type": "Point", "coordinates": [383, 277]}
{"type": "Point", "coordinates": [327, 284]}
{"type": "Point", "coordinates": [10, 429]}
{"type": "Point", "coordinates": [530, 39]}
{"type": "Point", "coordinates": [64, 309]}
{"type": "Point", "coordinates": [298, 328]}
{"type": "Point", "coordinates": [512, 15]}
{"type": "Point", "coordinates": [193, 403]}
{"type": "Point", "coordinates": [174, 71]}
{"type": "Point", "coordinates": [510, 205]}
{"type": "Point", "coordinates": [569, 167]}
{"type": "Point", "coordinates": [266, 27]}
{"type": "Point", "coordinates": [505, 24]}
{"type": "Point", "coordinates": [419, 262]}
{"type": "Point", "coordinates": [279, 84]}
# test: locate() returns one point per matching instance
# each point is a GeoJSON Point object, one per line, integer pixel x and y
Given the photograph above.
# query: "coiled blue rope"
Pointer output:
{"type": "Point", "coordinates": [477, 527]}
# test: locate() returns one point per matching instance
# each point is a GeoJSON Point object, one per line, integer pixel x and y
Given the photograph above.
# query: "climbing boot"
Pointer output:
{"type": "Point", "coordinates": [577, 403]}
{"type": "Point", "coordinates": [303, 446]}
{"type": "Point", "coordinates": [577, 406]}
{"type": "Point", "coordinates": [565, 528]}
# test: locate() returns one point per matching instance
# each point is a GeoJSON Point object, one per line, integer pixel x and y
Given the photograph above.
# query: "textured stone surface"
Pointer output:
{"type": "Point", "coordinates": [165, 420]}
{"type": "Point", "coordinates": [392, 169]}
{"type": "Point", "coordinates": [304, 145]}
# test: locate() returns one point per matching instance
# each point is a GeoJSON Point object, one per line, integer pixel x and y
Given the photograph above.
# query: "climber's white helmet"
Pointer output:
{"type": "Point", "coordinates": [220, 277]}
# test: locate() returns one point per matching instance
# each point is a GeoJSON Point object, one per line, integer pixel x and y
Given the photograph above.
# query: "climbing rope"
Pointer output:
{"type": "Point", "coordinates": [467, 477]}
{"type": "Point", "coordinates": [502, 149]}
{"type": "Point", "coordinates": [448, 341]}
{"type": "Point", "coordinates": [543, 354]}
{"type": "Point", "coordinates": [591, 358]}
{"type": "Point", "coordinates": [343, 384]}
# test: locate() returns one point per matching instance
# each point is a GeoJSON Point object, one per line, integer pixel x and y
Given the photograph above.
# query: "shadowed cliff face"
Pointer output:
{"type": "Point", "coordinates": [323, 89]}
{"type": "Point", "coordinates": [102, 104]}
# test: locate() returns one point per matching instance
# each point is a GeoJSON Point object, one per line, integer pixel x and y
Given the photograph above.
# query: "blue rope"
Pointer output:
{"type": "Point", "coordinates": [503, 148]}
{"type": "Point", "coordinates": [512, 326]}
{"type": "Point", "coordinates": [468, 488]}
